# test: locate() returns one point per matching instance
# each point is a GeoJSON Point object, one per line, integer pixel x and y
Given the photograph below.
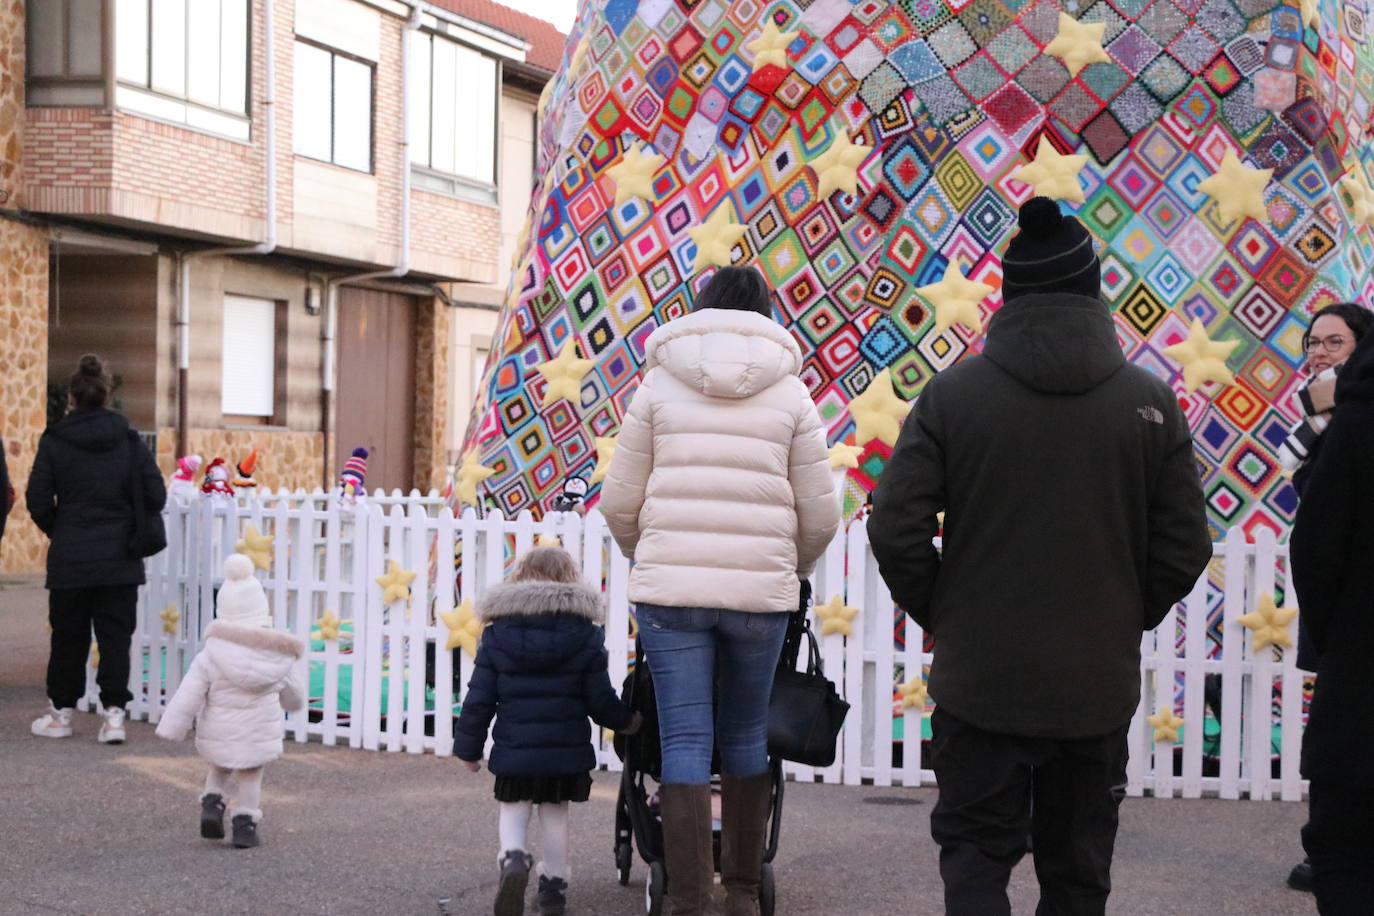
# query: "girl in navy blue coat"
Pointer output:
{"type": "Point", "coordinates": [540, 672]}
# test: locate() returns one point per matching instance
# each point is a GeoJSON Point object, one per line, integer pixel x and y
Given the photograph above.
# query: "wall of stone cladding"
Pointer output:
{"type": "Point", "coordinates": [23, 381]}
{"type": "Point", "coordinates": [285, 458]}
{"type": "Point", "coordinates": [11, 100]}
{"type": "Point", "coordinates": [432, 386]}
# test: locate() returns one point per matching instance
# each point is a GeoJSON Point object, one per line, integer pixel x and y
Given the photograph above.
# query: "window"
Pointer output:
{"type": "Point", "coordinates": [65, 56]}
{"type": "Point", "coordinates": [453, 110]}
{"type": "Point", "coordinates": [185, 60]}
{"type": "Point", "coordinates": [248, 389]}
{"type": "Point", "coordinates": [333, 107]}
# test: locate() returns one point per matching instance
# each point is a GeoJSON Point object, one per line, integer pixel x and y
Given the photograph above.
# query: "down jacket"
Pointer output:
{"type": "Point", "coordinates": [235, 692]}
{"type": "Point", "coordinates": [540, 672]}
{"type": "Point", "coordinates": [720, 488]}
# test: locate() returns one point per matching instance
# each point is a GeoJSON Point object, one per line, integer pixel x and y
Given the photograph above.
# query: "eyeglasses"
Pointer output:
{"type": "Point", "coordinates": [1332, 344]}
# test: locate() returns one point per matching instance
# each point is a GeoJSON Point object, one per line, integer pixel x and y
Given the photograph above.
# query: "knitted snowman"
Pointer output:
{"type": "Point", "coordinates": [351, 478]}
{"type": "Point", "coordinates": [183, 485]}
{"type": "Point", "coordinates": [216, 483]}
{"type": "Point", "coordinates": [244, 478]}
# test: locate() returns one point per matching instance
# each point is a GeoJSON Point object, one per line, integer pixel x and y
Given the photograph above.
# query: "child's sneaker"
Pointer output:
{"type": "Point", "coordinates": [111, 725]}
{"type": "Point", "coordinates": [55, 723]}
{"type": "Point", "coordinates": [515, 875]}
{"type": "Point", "coordinates": [212, 816]}
{"type": "Point", "coordinates": [553, 899]}
{"type": "Point", "coordinates": [245, 831]}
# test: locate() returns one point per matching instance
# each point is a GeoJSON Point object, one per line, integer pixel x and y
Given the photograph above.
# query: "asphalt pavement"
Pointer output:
{"type": "Point", "coordinates": [89, 829]}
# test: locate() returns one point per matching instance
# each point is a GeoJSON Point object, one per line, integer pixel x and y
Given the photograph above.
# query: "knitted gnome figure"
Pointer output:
{"type": "Point", "coordinates": [183, 485]}
{"type": "Point", "coordinates": [351, 478]}
{"type": "Point", "coordinates": [245, 472]}
{"type": "Point", "coordinates": [216, 483]}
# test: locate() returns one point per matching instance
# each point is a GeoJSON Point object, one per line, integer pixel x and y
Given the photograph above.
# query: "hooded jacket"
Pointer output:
{"type": "Point", "coordinates": [540, 672]}
{"type": "Point", "coordinates": [720, 488]}
{"type": "Point", "coordinates": [1074, 520]}
{"type": "Point", "coordinates": [235, 691]}
{"type": "Point", "coordinates": [1330, 547]}
{"type": "Point", "coordinates": [78, 494]}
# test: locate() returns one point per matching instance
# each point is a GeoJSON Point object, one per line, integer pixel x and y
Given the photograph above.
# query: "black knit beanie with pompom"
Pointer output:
{"type": "Point", "coordinates": [1052, 253]}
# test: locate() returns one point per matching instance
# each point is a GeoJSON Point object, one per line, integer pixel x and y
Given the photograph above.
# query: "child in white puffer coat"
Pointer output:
{"type": "Point", "coordinates": [235, 691]}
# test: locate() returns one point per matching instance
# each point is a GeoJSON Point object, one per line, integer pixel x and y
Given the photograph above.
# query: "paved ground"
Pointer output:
{"type": "Point", "coordinates": [105, 830]}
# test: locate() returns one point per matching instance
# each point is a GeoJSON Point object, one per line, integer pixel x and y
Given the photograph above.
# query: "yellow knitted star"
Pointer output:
{"type": "Point", "coordinates": [328, 626]}
{"type": "Point", "coordinates": [256, 547]}
{"type": "Point", "coordinates": [1238, 191]}
{"type": "Point", "coordinates": [914, 693]}
{"type": "Point", "coordinates": [564, 374]}
{"type": "Point", "coordinates": [470, 474]}
{"type": "Point", "coordinates": [634, 174]}
{"type": "Point", "coordinates": [878, 412]}
{"type": "Point", "coordinates": [843, 455]}
{"type": "Point", "coordinates": [605, 451]}
{"type": "Point", "coordinates": [463, 628]}
{"type": "Point", "coordinates": [1053, 174]}
{"type": "Point", "coordinates": [1165, 724]}
{"type": "Point", "coordinates": [835, 617]}
{"type": "Point", "coordinates": [771, 46]}
{"type": "Point", "coordinates": [1361, 196]}
{"type": "Point", "coordinates": [837, 169]}
{"type": "Point", "coordinates": [1269, 624]}
{"type": "Point", "coordinates": [1078, 43]}
{"type": "Point", "coordinates": [1309, 12]}
{"type": "Point", "coordinates": [95, 656]}
{"type": "Point", "coordinates": [396, 583]}
{"type": "Point", "coordinates": [548, 540]}
{"type": "Point", "coordinates": [1203, 359]}
{"type": "Point", "coordinates": [956, 299]}
{"type": "Point", "coordinates": [170, 618]}
{"type": "Point", "coordinates": [716, 237]}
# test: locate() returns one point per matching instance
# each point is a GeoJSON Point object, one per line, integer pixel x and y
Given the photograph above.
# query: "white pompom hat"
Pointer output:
{"type": "Point", "coordinates": [241, 600]}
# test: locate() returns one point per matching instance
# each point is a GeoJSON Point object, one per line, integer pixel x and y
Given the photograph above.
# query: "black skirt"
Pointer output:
{"type": "Point", "coordinates": [547, 790]}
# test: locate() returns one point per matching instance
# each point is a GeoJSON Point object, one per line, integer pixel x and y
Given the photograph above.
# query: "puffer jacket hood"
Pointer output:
{"type": "Point", "coordinates": [235, 692]}
{"type": "Point", "coordinates": [724, 353]}
{"type": "Point", "coordinates": [1055, 343]}
{"type": "Point", "coordinates": [92, 429]}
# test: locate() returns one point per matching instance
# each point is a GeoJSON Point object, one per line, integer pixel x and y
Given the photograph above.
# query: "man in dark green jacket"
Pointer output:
{"type": "Point", "coordinates": [1074, 520]}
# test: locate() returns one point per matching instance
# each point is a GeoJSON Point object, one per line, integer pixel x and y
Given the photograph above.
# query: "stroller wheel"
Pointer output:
{"type": "Point", "coordinates": [623, 858]}
{"type": "Point", "coordinates": [654, 886]}
{"type": "Point", "coordinates": [767, 891]}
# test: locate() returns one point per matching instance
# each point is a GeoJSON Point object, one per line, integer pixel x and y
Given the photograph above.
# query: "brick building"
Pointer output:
{"type": "Point", "coordinates": [264, 248]}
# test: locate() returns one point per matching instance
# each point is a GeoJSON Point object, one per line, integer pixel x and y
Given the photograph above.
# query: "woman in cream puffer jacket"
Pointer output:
{"type": "Point", "coordinates": [721, 492]}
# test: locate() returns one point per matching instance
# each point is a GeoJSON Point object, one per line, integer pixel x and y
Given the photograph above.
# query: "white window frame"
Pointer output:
{"type": "Point", "coordinates": [335, 55]}
{"type": "Point", "coordinates": [248, 357]}
{"type": "Point", "coordinates": [443, 172]}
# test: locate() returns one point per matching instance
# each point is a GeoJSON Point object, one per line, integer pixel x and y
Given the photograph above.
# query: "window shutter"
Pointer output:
{"type": "Point", "coordinates": [248, 380]}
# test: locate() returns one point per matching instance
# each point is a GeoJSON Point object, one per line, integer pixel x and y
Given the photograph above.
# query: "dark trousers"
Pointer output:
{"type": "Point", "coordinates": [995, 790]}
{"type": "Point", "coordinates": [112, 610]}
{"type": "Point", "coordinates": [1339, 839]}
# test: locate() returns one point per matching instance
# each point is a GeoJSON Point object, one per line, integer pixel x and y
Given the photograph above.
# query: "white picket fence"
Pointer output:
{"type": "Point", "coordinates": [401, 680]}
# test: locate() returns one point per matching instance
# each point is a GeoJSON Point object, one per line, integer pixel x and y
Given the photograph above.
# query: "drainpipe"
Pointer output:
{"type": "Point", "coordinates": [331, 286]}
{"type": "Point", "coordinates": [266, 246]}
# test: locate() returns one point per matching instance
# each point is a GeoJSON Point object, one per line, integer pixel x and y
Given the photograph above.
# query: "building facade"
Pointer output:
{"type": "Point", "coordinates": [256, 211]}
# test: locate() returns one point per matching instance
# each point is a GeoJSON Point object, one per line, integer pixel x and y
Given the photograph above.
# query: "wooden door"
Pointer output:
{"type": "Point", "coordinates": [375, 391]}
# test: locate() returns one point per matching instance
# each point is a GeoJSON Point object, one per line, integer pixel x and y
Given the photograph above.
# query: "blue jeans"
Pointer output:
{"type": "Point", "coordinates": [682, 645]}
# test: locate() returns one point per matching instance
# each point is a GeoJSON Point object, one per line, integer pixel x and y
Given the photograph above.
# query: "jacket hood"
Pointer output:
{"type": "Point", "coordinates": [1055, 343]}
{"type": "Point", "coordinates": [92, 429]}
{"type": "Point", "coordinates": [520, 598]}
{"type": "Point", "coordinates": [1355, 382]}
{"type": "Point", "coordinates": [250, 657]}
{"type": "Point", "coordinates": [724, 353]}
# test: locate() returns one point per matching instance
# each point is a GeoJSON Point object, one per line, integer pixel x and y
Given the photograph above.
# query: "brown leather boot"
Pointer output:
{"type": "Point", "coordinates": [687, 846]}
{"type": "Point", "coordinates": [744, 807]}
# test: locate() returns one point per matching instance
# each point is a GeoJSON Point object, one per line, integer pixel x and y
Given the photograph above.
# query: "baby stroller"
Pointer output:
{"type": "Point", "coordinates": [638, 823]}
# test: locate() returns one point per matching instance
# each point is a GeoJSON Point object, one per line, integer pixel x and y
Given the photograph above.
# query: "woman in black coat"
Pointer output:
{"type": "Point", "coordinates": [80, 496]}
{"type": "Point", "coordinates": [1332, 541]}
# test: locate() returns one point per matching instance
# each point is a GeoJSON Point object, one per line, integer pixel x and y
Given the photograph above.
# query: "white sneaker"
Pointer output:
{"type": "Point", "coordinates": [111, 725]}
{"type": "Point", "coordinates": [55, 723]}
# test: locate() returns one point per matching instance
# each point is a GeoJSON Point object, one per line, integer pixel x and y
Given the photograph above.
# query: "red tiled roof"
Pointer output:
{"type": "Point", "coordinates": [546, 41]}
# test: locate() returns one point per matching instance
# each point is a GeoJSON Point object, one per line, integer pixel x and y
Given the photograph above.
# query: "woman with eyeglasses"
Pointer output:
{"type": "Point", "coordinates": [1329, 341]}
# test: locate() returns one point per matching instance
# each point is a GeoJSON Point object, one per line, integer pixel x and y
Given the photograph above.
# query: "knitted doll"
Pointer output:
{"type": "Point", "coordinates": [235, 691]}
{"type": "Point", "coordinates": [216, 483]}
{"type": "Point", "coordinates": [351, 479]}
{"type": "Point", "coordinates": [183, 485]}
{"type": "Point", "coordinates": [245, 472]}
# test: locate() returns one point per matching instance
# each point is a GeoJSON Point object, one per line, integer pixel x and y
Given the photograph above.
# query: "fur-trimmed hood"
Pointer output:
{"type": "Point", "coordinates": [251, 657]}
{"type": "Point", "coordinates": [515, 599]}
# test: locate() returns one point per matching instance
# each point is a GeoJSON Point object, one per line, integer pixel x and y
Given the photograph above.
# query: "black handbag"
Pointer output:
{"type": "Point", "coordinates": [149, 536]}
{"type": "Point", "coordinates": [805, 713]}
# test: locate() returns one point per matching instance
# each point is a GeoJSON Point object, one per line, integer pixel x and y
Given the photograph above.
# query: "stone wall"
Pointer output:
{"type": "Point", "coordinates": [286, 458]}
{"type": "Point", "coordinates": [11, 99]}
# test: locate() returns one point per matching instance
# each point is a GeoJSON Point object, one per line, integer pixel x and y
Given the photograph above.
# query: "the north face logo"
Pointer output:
{"type": "Point", "coordinates": [1153, 414]}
